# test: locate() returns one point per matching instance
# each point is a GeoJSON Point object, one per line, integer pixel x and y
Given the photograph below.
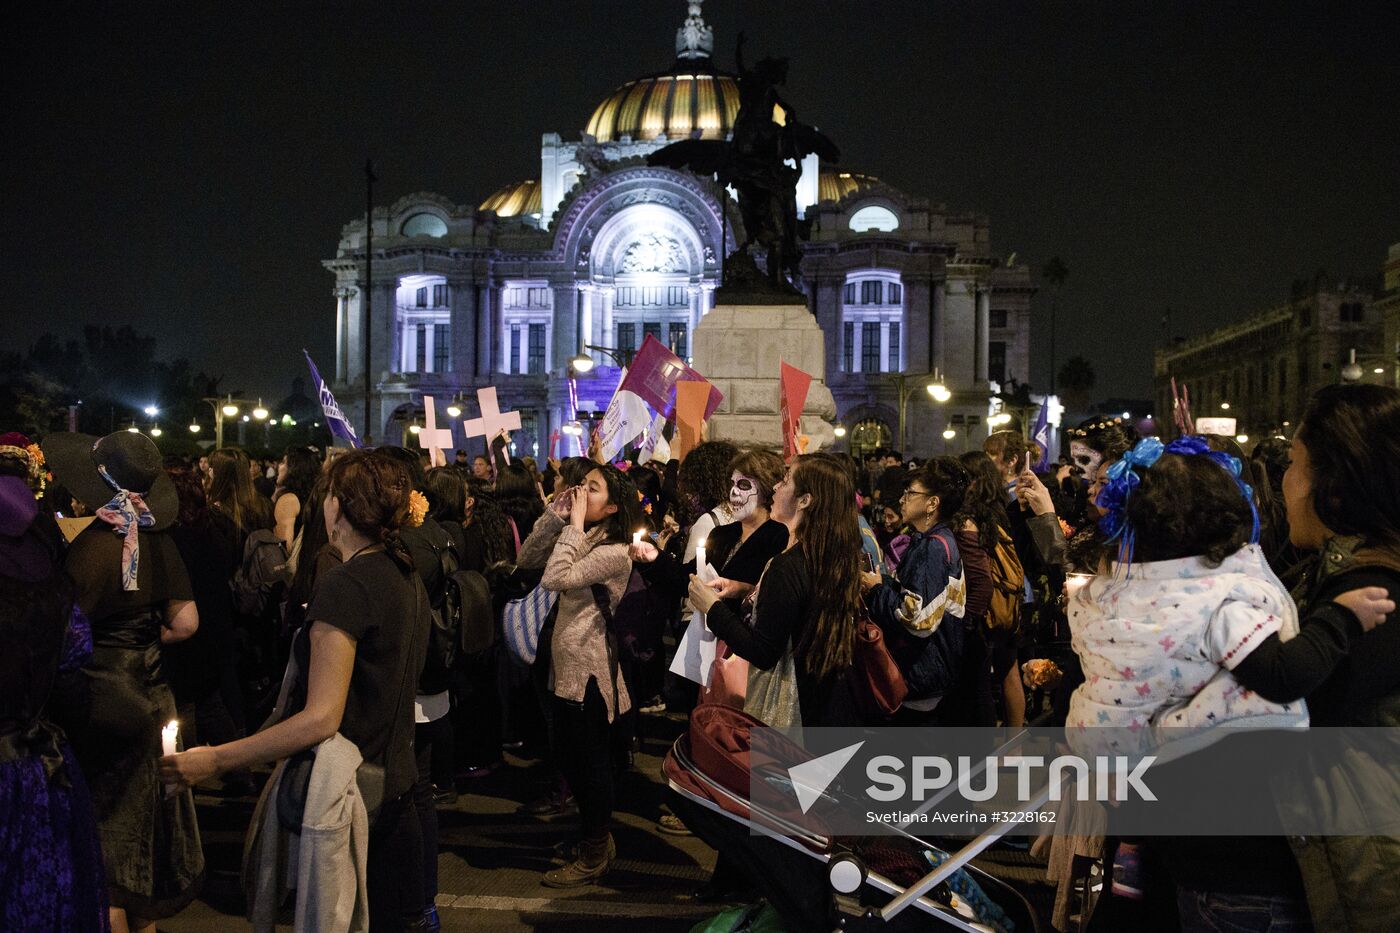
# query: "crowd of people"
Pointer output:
{"type": "Point", "coordinates": [344, 616]}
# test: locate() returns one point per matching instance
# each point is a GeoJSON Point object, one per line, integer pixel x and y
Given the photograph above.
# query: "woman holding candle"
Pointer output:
{"type": "Point", "coordinates": [133, 587]}
{"type": "Point", "coordinates": [582, 541]}
{"type": "Point", "coordinates": [359, 657]}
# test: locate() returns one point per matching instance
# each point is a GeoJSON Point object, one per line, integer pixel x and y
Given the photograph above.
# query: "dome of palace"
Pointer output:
{"type": "Point", "coordinates": [672, 104]}
{"type": "Point", "coordinates": [835, 186]}
{"type": "Point", "coordinates": [521, 197]}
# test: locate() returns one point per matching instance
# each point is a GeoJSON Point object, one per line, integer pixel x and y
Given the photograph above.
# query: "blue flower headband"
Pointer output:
{"type": "Point", "coordinates": [1123, 478]}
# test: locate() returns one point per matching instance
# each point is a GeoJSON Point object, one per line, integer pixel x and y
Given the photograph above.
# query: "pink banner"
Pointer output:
{"type": "Point", "coordinates": [654, 373]}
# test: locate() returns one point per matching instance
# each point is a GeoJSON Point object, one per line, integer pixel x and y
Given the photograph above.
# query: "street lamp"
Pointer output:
{"type": "Point", "coordinates": [194, 427]}
{"type": "Point", "coordinates": [840, 430]}
{"type": "Point", "coordinates": [906, 385]}
{"type": "Point", "coordinates": [155, 430]}
{"type": "Point", "coordinates": [949, 434]}
{"type": "Point", "coordinates": [1224, 406]}
{"type": "Point", "coordinates": [584, 363]}
{"type": "Point", "coordinates": [152, 410]}
{"type": "Point", "coordinates": [260, 413]}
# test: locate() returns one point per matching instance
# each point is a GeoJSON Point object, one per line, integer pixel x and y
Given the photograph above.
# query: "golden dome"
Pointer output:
{"type": "Point", "coordinates": [834, 186]}
{"type": "Point", "coordinates": [672, 104]}
{"type": "Point", "coordinates": [522, 197]}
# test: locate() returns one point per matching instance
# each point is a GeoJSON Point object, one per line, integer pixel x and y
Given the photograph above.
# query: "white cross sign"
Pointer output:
{"type": "Point", "coordinates": [492, 420]}
{"type": "Point", "coordinates": [432, 438]}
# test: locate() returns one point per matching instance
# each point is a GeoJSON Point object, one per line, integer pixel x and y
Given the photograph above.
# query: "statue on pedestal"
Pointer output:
{"type": "Point", "coordinates": [761, 164]}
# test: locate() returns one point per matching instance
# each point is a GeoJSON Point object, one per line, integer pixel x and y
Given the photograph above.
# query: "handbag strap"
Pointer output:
{"type": "Point", "coordinates": [604, 602]}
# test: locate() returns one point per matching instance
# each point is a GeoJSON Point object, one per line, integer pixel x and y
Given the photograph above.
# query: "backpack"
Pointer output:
{"type": "Point", "coordinates": [468, 602]}
{"type": "Point", "coordinates": [262, 576]}
{"type": "Point", "coordinates": [1008, 586]}
{"type": "Point", "coordinates": [444, 635]}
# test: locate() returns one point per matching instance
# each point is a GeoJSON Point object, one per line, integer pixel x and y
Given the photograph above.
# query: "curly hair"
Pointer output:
{"type": "Point", "coordinates": [1110, 439]}
{"type": "Point", "coordinates": [704, 475]}
{"type": "Point", "coordinates": [1188, 506]}
{"type": "Point", "coordinates": [189, 489]}
{"type": "Point", "coordinates": [1006, 448]}
{"type": "Point", "coordinates": [1352, 434]}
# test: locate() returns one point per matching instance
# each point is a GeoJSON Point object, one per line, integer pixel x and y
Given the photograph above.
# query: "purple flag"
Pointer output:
{"type": "Point", "coordinates": [335, 418]}
{"type": "Point", "coordinates": [1041, 435]}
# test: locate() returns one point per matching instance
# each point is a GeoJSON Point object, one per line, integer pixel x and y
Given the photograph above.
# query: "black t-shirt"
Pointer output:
{"type": "Point", "coordinates": [94, 562]}
{"type": "Point", "coordinates": [371, 599]}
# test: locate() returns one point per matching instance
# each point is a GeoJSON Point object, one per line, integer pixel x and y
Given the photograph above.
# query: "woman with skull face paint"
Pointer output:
{"type": "Point", "coordinates": [739, 551]}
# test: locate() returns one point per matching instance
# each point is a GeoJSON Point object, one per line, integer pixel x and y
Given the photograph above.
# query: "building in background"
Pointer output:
{"type": "Point", "coordinates": [603, 250]}
{"type": "Point", "coordinates": [1261, 370]}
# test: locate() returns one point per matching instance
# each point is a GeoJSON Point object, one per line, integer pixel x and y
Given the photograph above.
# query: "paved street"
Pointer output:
{"type": "Point", "coordinates": [492, 858]}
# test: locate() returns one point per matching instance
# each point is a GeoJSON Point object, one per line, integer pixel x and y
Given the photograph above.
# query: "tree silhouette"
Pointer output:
{"type": "Point", "coordinates": [1077, 378]}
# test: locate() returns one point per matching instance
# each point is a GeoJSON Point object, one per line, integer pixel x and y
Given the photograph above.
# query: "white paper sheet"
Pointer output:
{"type": "Point", "coordinates": [695, 655]}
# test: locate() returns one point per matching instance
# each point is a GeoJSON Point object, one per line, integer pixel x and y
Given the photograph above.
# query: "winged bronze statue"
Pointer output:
{"type": "Point", "coordinates": [761, 163]}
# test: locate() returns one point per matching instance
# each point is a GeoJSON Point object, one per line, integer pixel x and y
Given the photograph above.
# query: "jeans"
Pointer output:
{"type": "Point", "coordinates": [584, 753]}
{"type": "Point", "coordinates": [1209, 912]}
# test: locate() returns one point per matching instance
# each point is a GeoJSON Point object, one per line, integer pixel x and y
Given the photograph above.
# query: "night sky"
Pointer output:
{"type": "Point", "coordinates": [185, 167]}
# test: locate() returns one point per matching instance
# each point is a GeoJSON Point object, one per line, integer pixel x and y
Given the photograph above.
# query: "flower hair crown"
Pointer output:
{"type": "Point", "coordinates": [1124, 477]}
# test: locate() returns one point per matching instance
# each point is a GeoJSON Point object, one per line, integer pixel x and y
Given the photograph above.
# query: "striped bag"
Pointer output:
{"type": "Point", "coordinates": [521, 621]}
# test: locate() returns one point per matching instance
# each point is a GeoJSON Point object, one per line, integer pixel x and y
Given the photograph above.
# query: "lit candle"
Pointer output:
{"type": "Point", "coordinates": [699, 557]}
{"type": "Point", "coordinates": [168, 737]}
{"type": "Point", "coordinates": [1074, 582]}
{"type": "Point", "coordinates": [637, 536]}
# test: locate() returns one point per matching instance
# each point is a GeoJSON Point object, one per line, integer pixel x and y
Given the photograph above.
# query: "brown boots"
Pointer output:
{"type": "Point", "coordinates": [594, 858]}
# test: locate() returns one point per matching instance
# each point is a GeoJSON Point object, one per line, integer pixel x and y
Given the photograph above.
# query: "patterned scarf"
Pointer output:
{"type": "Point", "coordinates": [126, 513]}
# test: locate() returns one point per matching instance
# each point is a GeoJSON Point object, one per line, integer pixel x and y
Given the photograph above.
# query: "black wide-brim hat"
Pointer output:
{"type": "Point", "coordinates": [131, 459]}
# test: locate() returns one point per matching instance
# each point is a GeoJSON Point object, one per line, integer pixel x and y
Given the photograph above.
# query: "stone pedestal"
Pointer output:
{"type": "Point", "coordinates": [739, 347]}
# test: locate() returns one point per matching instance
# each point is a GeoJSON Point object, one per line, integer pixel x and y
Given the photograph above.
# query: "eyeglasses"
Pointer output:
{"type": "Point", "coordinates": [908, 493]}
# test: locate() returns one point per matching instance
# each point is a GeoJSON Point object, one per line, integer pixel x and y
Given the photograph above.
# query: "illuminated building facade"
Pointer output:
{"type": "Point", "coordinates": [603, 250]}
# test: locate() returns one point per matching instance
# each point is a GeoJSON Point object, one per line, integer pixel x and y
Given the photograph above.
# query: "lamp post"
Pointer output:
{"type": "Point", "coordinates": [907, 384]}
{"type": "Point", "coordinates": [584, 363]}
{"type": "Point", "coordinates": [230, 407]}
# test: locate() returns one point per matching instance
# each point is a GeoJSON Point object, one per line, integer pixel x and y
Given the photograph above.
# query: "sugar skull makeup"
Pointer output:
{"type": "Point", "coordinates": [1085, 456]}
{"type": "Point", "coordinates": [743, 496]}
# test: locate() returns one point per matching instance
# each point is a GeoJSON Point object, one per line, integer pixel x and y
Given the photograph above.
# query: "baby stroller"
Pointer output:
{"type": "Point", "coordinates": [821, 882]}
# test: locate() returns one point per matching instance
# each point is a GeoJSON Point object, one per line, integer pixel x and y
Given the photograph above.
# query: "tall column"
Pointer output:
{"type": "Point", "coordinates": [462, 300]}
{"type": "Point", "coordinates": [567, 310]}
{"type": "Point", "coordinates": [940, 290]}
{"type": "Point", "coordinates": [609, 335]}
{"type": "Point", "coordinates": [885, 349]}
{"type": "Point", "coordinates": [342, 323]}
{"type": "Point", "coordinates": [485, 361]}
{"type": "Point", "coordinates": [693, 297]}
{"type": "Point", "coordinates": [827, 305]}
{"type": "Point", "coordinates": [984, 304]}
{"type": "Point", "coordinates": [588, 296]}
{"type": "Point", "coordinates": [386, 350]}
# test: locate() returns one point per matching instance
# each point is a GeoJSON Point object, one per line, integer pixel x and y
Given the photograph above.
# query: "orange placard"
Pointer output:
{"type": "Point", "coordinates": [691, 398]}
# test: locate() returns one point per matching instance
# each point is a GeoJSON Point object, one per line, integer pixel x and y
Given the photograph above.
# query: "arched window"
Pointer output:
{"type": "Point", "coordinates": [424, 224]}
{"type": "Point", "coordinates": [874, 217]}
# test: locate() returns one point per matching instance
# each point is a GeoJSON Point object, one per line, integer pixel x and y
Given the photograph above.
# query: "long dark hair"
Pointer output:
{"type": "Point", "coordinates": [303, 466]}
{"type": "Point", "coordinates": [231, 490]}
{"type": "Point", "coordinates": [704, 476]}
{"type": "Point", "coordinates": [497, 545]}
{"type": "Point", "coordinates": [313, 540]}
{"type": "Point", "coordinates": [622, 492]}
{"type": "Point", "coordinates": [447, 495]}
{"type": "Point", "coordinates": [518, 497]}
{"type": "Point", "coordinates": [1352, 433]}
{"type": "Point", "coordinates": [189, 489]}
{"type": "Point", "coordinates": [984, 503]}
{"type": "Point", "coordinates": [829, 538]}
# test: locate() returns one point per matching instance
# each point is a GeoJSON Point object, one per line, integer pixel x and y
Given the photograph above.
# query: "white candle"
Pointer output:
{"type": "Point", "coordinates": [637, 536]}
{"type": "Point", "coordinates": [169, 735]}
{"type": "Point", "coordinates": [699, 557]}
